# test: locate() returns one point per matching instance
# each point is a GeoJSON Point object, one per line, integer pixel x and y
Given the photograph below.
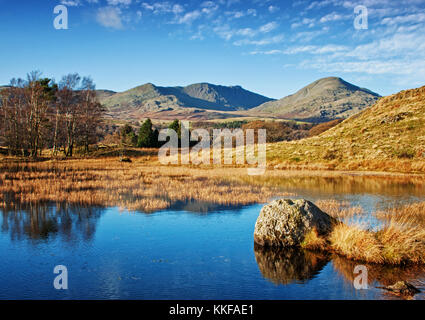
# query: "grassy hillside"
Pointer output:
{"type": "Point", "coordinates": [389, 135]}
{"type": "Point", "coordinates": [325, 99]}
{"type": "Point", "coordinates": [103, 94]}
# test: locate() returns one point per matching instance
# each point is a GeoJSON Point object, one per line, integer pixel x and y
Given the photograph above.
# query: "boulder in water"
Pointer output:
{"type": "Point", "coordinates": [285, 223]}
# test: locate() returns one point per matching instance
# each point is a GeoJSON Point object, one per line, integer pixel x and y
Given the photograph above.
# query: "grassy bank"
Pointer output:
{"type": "Point", "coordinates": [400, 239]}
{"type": "Point", "coordinates": [389, 136]}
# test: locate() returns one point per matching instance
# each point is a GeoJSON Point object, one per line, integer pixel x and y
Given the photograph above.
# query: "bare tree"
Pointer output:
{"type": "Point", "coordinates": [91, 113]}
{"type": "Point", "coordinates": [69, 106]}
{"type": "Point", "coordinates": [37, 113]}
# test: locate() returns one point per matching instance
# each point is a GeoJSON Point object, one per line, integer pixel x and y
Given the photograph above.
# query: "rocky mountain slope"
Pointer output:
{"type": "Point", "coordinates": [151, 98]}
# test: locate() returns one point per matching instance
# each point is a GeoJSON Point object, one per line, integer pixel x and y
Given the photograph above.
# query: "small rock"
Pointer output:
{"type": "Point", "coordinates": [285, 223]}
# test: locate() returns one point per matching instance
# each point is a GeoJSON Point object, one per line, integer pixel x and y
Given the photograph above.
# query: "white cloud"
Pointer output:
{"type": "Point", "coordinates": [241, 14]}
{"type": "Point", "coordinates": [109, 17]}
{"type": "Point", "coordinates": [312, 49]}
{"type": "Point", "coordinates": [261, 42]}
{"type": "Point", "coordinates": [309, 49]}
{"type": "Point", "coordinates": [331, 17]}
{"type": "Point", "coordinates": [71, 3]}
{"type": "Point", "coordinates": [227, 33]}
{"type": "Point", "coordinates": [163, 7]}
{"type": "Point", "coordinates": [307, 36]}
{"type": "Point", "coordinates": [189, 17]}
{"type": "Point", "coordinates": [269, 27]}
{"type": "Point", "coordinates": [269, 52]}
{"type": "Point", "coordinates": [119, 2]}
{"type": "Point", "coordinates": [398, 54]}
{"type": "Point", "coordinates": [411, 18]}
{"type": "Point", "coordinates": [177, 8]}
{"type": "Point", "coordinates": [273, 9]}
{"type": "Point", "coordinates": [310, 22]}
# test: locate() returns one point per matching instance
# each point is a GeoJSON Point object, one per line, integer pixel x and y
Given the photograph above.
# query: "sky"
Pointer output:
{"type": "Point", "coordinates": [272, 47]}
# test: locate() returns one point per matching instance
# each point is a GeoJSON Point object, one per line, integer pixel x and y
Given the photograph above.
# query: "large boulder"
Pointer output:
{"type": "Point", "coordinates": [285, 223]}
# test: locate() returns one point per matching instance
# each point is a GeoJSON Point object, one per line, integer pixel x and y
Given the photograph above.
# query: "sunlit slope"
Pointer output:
{"type": "Point", "coordinates": [392, 129]}
{"type": "Point", "coordinates": [325, 99]}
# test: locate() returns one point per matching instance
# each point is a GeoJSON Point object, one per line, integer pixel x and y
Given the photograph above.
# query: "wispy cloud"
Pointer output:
{"type": "Point", "coordinates": [268, 27]}
{"type": "Point", "coordinates": [119, 2]}
{"type": "Point", "coordinates": [109, 17]}
{"type": "Point", "coordinates": [261, 42]}
{"type": "Point", "coordinates": [308, 49]}
{"type": "Point", "coordinates": [189, 17]}
{"type": "Point", "coordinates": [71, 3]}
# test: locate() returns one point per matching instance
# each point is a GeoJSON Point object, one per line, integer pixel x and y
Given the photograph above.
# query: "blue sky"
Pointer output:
{"type": "Point", "coordinates": [271, 47]}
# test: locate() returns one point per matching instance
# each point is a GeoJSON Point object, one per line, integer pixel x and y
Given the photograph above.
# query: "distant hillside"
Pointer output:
{"type": "Point", "coordinates": [393, 129]}
{"type": "Point", "coordinates": [151, 98]}
{"type": "Point", "coordinates": [323, 100]}
{"type": "Point", "coordinates": [103, 94]}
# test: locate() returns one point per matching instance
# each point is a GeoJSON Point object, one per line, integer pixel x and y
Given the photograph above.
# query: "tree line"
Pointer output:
{"type": "Point", "coordinates": [37, 113]}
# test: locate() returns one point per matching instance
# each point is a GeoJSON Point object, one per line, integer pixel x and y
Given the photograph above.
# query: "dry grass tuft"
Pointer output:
{"type": "Point", "coordinates": [401, 240]}
{"type": "Point", "coordinates": [356, 243]}
{"type": "Point", "coordinates": [313, 241]}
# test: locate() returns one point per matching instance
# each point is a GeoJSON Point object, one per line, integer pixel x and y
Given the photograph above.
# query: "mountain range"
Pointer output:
{"type": "Point", "coordinates": [149, 97]}
{"type": "Point", "coordinates": [325, 99]}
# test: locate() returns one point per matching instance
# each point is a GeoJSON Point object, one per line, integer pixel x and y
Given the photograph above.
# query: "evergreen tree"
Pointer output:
{"type": "Point", "coordinates": [146, 135]}
{"type": "Point", "coordinates": [128, 136]}
{"type": "Point", "coordinates": [175, 125]}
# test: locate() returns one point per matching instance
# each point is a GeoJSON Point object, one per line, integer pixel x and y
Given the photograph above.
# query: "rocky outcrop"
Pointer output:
{"type": "Point", "coordinates": [402, 288]}
{"type": "Point", "coordinates": [285, 223]}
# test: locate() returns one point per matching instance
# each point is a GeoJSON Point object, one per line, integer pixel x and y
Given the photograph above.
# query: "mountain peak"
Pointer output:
{"type": "Point", "coordinates": [324, 99]}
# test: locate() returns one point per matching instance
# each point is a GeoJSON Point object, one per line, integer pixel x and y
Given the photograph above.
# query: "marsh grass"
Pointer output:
{"type": "Point", "coordinates": [400, 239]}
{"type": "Point", "coordinates": [412, 213]}
{"type": "Point", "coordinates": [402, 242]}
{"type": "Point", "coordinates": [137, 186]}
{"type": "Point", "coordinates": [354, 242]}
{"type": "Point", "coordinates": [341, 210]}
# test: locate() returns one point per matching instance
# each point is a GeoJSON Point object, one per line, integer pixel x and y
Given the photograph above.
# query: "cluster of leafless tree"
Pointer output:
{"type": "Point", "coordinates": [37, 113]}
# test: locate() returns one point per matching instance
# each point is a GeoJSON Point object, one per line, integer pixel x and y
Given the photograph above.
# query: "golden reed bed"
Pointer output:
{"type": "Point", "coordinates": [133, 186]}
